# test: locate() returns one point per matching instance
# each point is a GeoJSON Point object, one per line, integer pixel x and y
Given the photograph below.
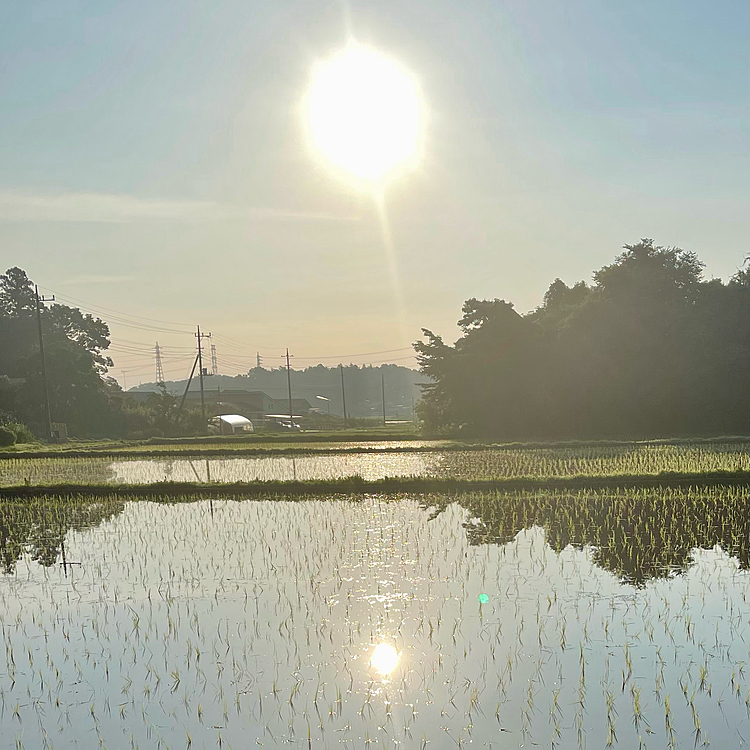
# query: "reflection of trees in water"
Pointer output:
{"type": "Point", "coordinates": [38, 526]}
{"type": "Point", "coordinates": [638, 534]}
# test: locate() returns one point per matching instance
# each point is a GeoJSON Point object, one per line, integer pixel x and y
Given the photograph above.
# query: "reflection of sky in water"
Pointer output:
{"type": "Point", "coordinates": [476, 464]}
{"type": "Point", "coordinates": [303, 467]}
{"type": "Point", "coordinates": [259, 620]}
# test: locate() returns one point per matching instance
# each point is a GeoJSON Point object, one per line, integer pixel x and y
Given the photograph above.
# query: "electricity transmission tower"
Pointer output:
{"type": "Point", "coordinates": [214, 365]}
{"type": "Point", "coordinates": [159, 368]}
{"type": "Point", "coordinates": [258, 360]}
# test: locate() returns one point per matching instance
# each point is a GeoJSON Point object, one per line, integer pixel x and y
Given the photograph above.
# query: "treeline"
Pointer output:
{"type": "Point", "coordinates": [648, 349]}
{"type": "Point", "coordinates": [81, 395]}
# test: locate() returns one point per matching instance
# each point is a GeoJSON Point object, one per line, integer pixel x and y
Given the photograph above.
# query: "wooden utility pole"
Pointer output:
{"type": "Point", "coordinates": [201, 373]}
{"type": "Point", "coordinates": [47, 412]}
{"type": "Point", "coordinates": [289, 386]}
{"type": "Point", "coordinates": [382, 388]}
{"type": "Point", "coordinates": [343, 391]}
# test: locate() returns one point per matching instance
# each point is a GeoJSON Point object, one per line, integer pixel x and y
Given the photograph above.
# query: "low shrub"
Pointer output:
{"type": "Point", "coordinates": [7, 436]}
{"type": "Point", "coordinates": [23, 432]}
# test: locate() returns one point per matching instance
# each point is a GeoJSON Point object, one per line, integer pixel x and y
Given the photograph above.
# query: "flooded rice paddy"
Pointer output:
{"type": "Point", "coordinates": [283, 445]}
{"type": "Point", "coordinates": [594, 619]}
{"type": "Point", "coordinates": [459, 464]}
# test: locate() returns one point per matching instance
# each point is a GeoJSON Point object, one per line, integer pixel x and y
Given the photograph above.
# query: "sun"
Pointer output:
{"type": "Point", "coordinates": [364, 112]}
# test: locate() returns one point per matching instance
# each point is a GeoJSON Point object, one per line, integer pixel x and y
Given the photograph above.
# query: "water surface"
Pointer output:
{"type": "Point", "coordinates": [458, 464]}
{"type": "Point", "coordinates": [253, 623]}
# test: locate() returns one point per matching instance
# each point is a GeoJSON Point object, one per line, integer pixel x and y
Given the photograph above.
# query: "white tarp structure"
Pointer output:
{"type": "Point", "coordinates": [230, 424]}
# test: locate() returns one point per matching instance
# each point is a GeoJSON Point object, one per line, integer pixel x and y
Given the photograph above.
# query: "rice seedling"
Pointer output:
{"type": "Point", "coordinates": [595, 460]}
{"type": "Point", "coordinates": [328, 622]}
{"type": "Point", "coordinates": [390, 461]}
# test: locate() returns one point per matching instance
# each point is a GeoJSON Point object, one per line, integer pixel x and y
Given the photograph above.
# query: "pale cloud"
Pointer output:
{"type": "Point", "coordinates": [119, 208]}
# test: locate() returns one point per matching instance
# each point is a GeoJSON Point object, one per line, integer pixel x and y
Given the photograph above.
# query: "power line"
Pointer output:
{"type": "Point", "coordinates": [142, 345]}
{"type": "Point", "coordinates": [241, 357]}
{"type": "Point", "coordinates": [149, 357]}
{"type": "Point", "coordinates": [361, 354]}
{"type": "Point", "coordinates": [243, 344]}
{"type": "Point", "coordinates": [236, 360]}
{"type": "Point", "coordinates": [119, 320]}
{"type": "Point", "coordinates": [150, 367]}
{"type": "Point", "coordinates": [117, 312]}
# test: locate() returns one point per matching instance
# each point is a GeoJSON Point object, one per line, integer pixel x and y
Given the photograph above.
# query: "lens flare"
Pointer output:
{"type": "Point", "coordinates": [384, 658]}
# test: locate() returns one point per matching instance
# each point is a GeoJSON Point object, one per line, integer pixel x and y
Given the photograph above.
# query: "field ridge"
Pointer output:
{"type": "Point", "coordinates": [391, 484]}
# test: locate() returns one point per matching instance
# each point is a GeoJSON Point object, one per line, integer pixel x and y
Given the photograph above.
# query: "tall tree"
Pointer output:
{"type": "Point", "coordinates": [75, 346]}
{"type": "Point", "coordinates": [648, 349]}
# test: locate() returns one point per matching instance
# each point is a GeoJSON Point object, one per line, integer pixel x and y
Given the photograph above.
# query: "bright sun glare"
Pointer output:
{"type": "Point", "coordinates": [364, 112]}
{"type": "Point", "coordinates": [384, 658]}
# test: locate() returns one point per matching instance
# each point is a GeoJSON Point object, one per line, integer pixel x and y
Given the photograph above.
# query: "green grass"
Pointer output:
{"type": "Point", "coordinates": [351, 441]}
{"type": "Point", "coordinates": [387, 432]}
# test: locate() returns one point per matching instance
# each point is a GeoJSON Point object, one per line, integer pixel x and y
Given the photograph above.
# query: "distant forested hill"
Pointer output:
{"type": "Point", "coordinates": [363, 387]}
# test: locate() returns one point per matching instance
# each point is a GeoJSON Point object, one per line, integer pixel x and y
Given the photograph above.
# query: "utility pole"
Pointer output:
{"type": "Point", "coordinates": [382, 388]}
{"type": "Point", "coordinates": [47, 412]}
{"type": "Point", "coordinates": [187, 387]}
{"type": "Point", "coordinates": [214, 365]}
{"type": "Point", "coordinates": [343, 391]}
{"type": "Point", "coordinates": [159, 368]}
{"type": "Point", "coordinates": [289, 386]}
{"type": "Point", "coordinates": [201, 372]}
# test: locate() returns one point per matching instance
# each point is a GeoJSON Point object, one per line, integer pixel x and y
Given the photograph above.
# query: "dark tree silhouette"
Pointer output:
{"type": "Point", "coordinates": [649, 349]}
{"type": "Point", "coordinates": [75, 346]}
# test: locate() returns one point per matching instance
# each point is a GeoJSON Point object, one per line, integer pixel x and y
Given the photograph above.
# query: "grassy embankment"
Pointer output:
{"type": "Point", "coordinates": [358, 485]}
{"type": "Point", "coordinates": [344, 441]}
{"type": "Point", "coordinates": [213, 444]}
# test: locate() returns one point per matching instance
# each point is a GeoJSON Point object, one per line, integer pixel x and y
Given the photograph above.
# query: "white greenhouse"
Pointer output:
{"type": "Point", "coordinates": [230, 424]}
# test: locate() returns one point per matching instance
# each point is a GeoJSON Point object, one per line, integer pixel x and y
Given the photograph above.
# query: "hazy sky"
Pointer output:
{"type": "Point", "coordinates": [153, 162]}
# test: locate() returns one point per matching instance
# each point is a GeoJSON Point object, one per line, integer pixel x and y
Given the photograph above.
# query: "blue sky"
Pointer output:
{"type": "Point", "coordinates": [153, 161]}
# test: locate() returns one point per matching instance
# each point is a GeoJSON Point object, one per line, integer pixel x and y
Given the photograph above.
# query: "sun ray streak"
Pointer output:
{"type": "Point", "coordinates": [391, 262]}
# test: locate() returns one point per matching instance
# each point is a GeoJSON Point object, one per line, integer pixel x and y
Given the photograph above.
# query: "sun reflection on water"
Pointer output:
{"type": "Point", "coordinates": [384, 658]}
